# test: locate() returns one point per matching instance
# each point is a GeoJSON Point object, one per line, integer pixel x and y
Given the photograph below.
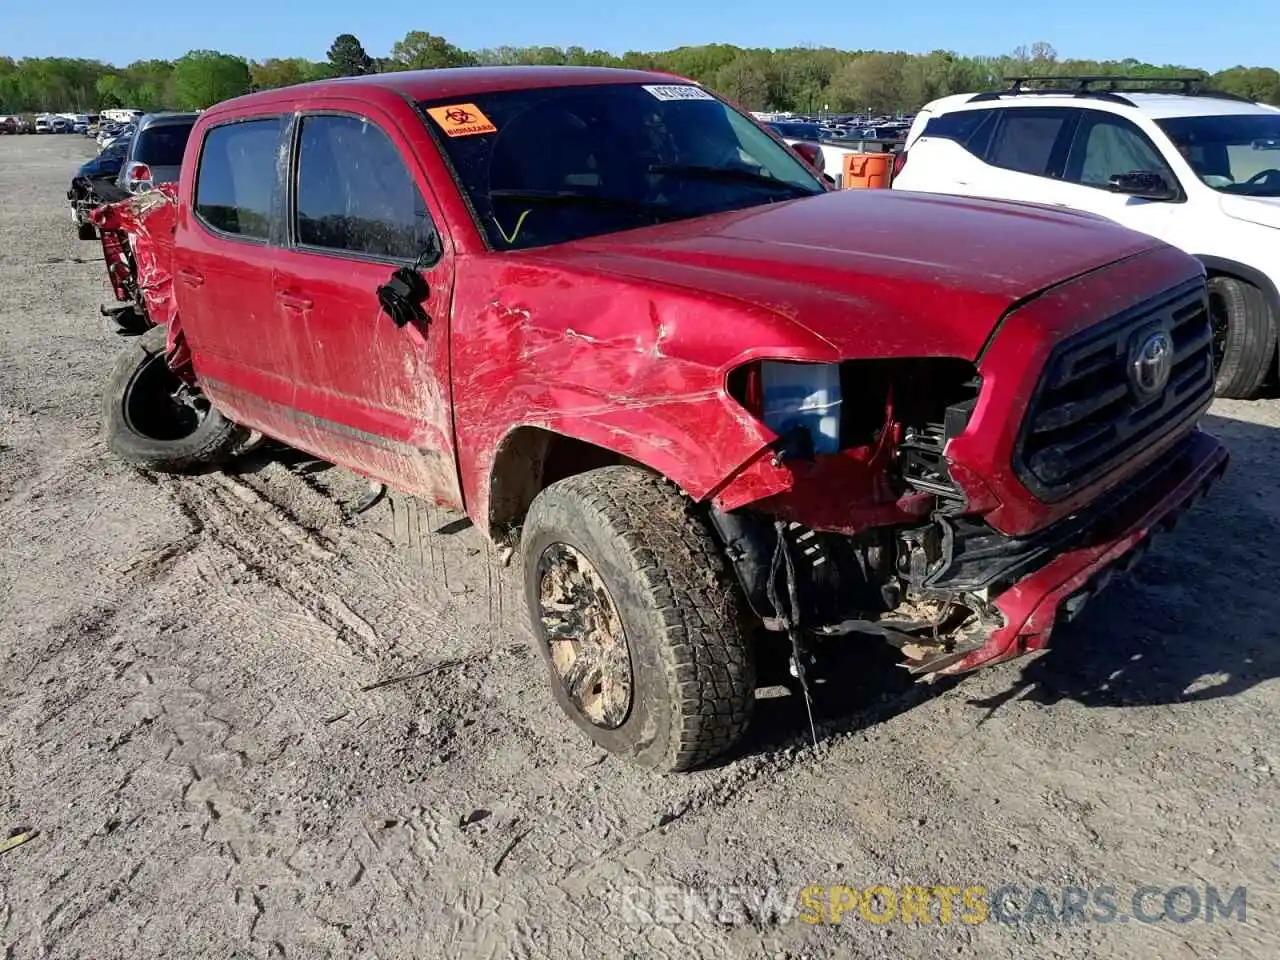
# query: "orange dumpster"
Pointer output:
{"type": "Point", "coordinates": [867, 170]}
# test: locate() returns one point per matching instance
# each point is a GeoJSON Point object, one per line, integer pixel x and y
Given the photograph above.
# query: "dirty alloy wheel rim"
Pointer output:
{"type": "Point", "coordinates": [585, 638]}
{"type": "Point", "coordinates": [1219, 325]}
{"type": "Point", "coordinates": [156, 404]}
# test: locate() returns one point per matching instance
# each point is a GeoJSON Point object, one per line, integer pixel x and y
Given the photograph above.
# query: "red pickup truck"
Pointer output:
{"type": "Point", "coordinates": [725, 411]}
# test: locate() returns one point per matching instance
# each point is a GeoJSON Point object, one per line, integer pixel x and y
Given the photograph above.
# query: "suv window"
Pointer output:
{"type": "Point", "coordinates": [162, 146]}
{"type": "Point", "coordinates": [1107, 145]}
{"type": "Point", "coordinates": [355, 192]}
{"type": "Point", "coordinates": [1026, 137]}
{"type": "Point", "coordinates": [1234, 153]}
{"type": "Point", "coordinates": [969, 128]}
{"type": "Point", "coordinates": [237, 177]}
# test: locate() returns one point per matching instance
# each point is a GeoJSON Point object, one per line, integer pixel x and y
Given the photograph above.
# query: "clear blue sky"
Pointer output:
{"type": "Point", "coordinates": [1212, 36]}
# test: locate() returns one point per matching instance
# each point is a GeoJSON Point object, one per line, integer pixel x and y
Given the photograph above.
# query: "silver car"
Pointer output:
{"type": "Point", "coordinates": [155, 151]}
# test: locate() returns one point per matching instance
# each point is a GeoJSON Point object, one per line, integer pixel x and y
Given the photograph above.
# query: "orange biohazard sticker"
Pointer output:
{"type": "Point", "coordinates": [462, 120]}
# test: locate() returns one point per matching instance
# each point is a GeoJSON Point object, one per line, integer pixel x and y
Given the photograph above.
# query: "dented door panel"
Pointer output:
{"type": "Point", "coordinates": [374, 394]}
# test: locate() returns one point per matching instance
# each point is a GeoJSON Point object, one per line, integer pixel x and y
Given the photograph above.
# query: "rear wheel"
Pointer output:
{"type": "Point", "coordinates": [637, 618]}
{"type": "Point", "coordinates": [1244, 337]}
{"type": "Point", "coordinates": [155, 420]}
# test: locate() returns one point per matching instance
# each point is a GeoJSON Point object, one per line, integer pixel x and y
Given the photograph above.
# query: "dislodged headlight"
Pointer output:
{"type": "Point", "coordinates": [845, 405]}
{"type": "Point", "coordinates": [787, 396]}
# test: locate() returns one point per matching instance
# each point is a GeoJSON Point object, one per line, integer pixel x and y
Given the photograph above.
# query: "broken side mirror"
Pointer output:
{"type": "Point", "coordinates": [1143, 184]}
{"type": "Point", "coordinates": [403, 295]}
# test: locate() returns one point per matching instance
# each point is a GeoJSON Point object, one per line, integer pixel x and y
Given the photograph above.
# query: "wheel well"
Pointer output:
{"type": "Point", "coordinates": [530, 459]}
{"type": "Point", "coordinates": [1270, 295]}
{"type": "Point", "coordinates": [1216, 267]}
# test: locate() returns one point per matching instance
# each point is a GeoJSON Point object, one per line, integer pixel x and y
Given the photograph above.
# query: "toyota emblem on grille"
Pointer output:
{"type": "Point", "coordinates": [1152, 364]}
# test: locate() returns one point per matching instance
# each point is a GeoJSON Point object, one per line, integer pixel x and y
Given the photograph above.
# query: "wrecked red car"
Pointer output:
{"type": "Point", "coordinates": [727, 413]}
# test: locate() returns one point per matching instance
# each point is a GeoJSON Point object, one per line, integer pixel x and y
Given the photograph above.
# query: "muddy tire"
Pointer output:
{"type": "Point", "coordinates": [1244, 337]}
{"type": "Point", "coordinates": [637, 618]}
{"type": "Point", "coordinates": [150, 425]}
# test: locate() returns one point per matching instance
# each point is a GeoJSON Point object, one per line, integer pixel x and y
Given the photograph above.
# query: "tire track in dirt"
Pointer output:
{"type": "Point", "coordinates": [276, 549]}
{"type": "Point", "coordinates": [424, 564]}
{"type": "Point", "coordinates": [402, 639]}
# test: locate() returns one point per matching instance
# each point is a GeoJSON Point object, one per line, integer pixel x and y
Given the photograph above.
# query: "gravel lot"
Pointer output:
{"type": "Point", "coordinates": [247, 727]}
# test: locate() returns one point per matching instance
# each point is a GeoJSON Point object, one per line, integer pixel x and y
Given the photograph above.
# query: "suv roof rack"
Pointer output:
{"type": "Point", "coordinates": [1105, 87]}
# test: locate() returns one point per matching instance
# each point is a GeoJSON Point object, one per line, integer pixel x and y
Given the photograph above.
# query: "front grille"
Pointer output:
{"type": "Point", "coordinates": [1089, 414]}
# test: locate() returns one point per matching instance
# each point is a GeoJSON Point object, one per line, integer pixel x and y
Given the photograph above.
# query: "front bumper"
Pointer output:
{"type": "Point", "coordinates": [1058, 590]}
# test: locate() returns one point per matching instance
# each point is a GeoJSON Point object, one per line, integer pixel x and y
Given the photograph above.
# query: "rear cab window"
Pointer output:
{"type": "Point", "coordinates": [236, 179]}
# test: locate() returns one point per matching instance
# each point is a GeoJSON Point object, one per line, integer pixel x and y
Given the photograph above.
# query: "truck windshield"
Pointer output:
{"type": "Point", "coordinates": [1237, 154]}
{"type": "Point", "coordinates": [553, 165]}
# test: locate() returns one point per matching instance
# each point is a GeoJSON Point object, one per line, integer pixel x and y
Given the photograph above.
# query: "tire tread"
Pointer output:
{"type": "Point", "coordinates": [1251, 339]}
{"type": "Point", "coordinates": [215, 440]}
{"type": "Point", "coordinates": [677, 563]}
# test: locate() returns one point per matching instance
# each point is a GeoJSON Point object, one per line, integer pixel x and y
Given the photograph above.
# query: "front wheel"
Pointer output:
{"type": "Point", "coordinates": [155, 420]}
{"type": "Point", "coordinates": [637, 618]}
{"type": "Point", "coordinates": [1244, 337]}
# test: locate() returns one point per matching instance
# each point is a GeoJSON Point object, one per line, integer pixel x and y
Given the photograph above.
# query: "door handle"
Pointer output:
{"type": "Point", "coordinates": [293, 301]}
{"type": "Point", "coordinates": [192, 278]}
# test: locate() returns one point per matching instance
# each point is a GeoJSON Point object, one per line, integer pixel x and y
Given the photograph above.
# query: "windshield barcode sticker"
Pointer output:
{"type": "Point", "coordinates": [678, 91]}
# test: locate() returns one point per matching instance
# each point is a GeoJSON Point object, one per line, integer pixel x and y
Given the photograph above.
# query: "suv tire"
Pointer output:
{"type": "Point", "coordinates": [1244, 337]}
{"type": "Point", "coordinates": [147, 425]}
{"type": "Point", "coordinates": [652, 659]}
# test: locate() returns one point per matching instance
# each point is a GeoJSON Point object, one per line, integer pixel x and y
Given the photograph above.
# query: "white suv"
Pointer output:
{"type": "Point", "coordinates": [1197, 169]}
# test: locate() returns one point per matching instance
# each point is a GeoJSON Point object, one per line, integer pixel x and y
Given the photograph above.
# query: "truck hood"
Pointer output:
{"type": "Point", "coordinates": [872, 272]}
{"type": "Point", "coordinates": [1264, 211]}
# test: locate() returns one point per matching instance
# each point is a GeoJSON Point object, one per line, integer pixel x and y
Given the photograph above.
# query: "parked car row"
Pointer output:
{"type": "Point", "coordinates": [138, 158]}
{"type": "Point", "coordinates": [112, 122]}
{"type": "Point", "coordinates": [731, 417]}
{"type": "Point", "coordinates": [830, 140]}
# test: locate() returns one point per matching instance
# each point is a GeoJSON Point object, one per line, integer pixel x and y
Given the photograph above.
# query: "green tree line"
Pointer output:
{"type": "Point", "coordinates": [802, 79]}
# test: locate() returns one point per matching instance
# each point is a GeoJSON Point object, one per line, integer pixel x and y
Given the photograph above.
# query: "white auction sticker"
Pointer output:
{"type": "Point", "coordinates": [678, 91]}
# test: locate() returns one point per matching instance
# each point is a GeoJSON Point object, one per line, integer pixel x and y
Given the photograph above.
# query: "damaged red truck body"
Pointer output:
{"type": "Point", "coordinates": [725, 411]}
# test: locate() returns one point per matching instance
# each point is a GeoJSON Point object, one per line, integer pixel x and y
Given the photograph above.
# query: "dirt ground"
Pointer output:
{"type": "Point", "coordinates": [245, 726]}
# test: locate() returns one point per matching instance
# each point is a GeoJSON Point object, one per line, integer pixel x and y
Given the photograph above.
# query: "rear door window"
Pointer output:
{"type": "Point", "coordinates": [354, 192]}
{"type": "Point", "coordinates": [1032, 139]}
{"type": "Point", "coordinates": [237, 178]}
